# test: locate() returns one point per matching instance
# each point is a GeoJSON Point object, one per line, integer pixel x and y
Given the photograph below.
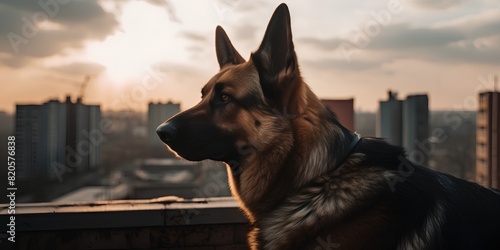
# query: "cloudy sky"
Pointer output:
{"type": "Point", "coordinates": [158, 50]}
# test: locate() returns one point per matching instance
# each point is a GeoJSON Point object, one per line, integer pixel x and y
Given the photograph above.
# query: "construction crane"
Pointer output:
{"type": "Point", "coordinates": [83, 87]}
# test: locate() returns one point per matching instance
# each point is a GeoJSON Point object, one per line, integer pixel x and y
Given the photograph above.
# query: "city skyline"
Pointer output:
{"type": "Point", "coordinates": [141, 51]}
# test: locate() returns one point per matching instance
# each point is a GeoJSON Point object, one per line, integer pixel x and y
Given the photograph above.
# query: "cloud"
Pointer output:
{"type": "Point", "coordinates": [474, 39]}
{"type": "Point", "coordinates": [168, 6]}
{"type": "Point", "coordinates": [196, 43]}
{"type": "Point", "coordinates": [80, 68]}
{"type": "Point", "coordinates": [437, 4]}
{"type": "Point", "coordinates": [193, 36]}
{"type": "Point", "coordinates": [247, 32]}
{"type": "Point", "coordinates": [29, 30]}
{"type": "Point", "coordinates": [339, 64]}
{"type": "Point", "coordinates": [321, 44]}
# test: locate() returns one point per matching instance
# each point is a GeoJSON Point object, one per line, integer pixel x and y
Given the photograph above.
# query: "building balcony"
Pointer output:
{"type": "Point", "coordinates": [163, 223]}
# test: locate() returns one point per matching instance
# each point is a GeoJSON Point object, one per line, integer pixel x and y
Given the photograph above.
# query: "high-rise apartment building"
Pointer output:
{"type": "Point", "coordinates": [344, 109]}
{"type": "Point", "coordinates": [390, 120]}
{"type": "Point", "coordinates": [487, 140]}
{"type": "Point", "coordinates": [405, 123]}
{"type": "Point", "coordinates": [416, 127]}
{"type": "Point", "coordinates": [56, 135]}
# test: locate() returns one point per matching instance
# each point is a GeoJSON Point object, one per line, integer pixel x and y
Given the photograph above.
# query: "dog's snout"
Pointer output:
{"type": "Point", "coordinates": [166, 131]}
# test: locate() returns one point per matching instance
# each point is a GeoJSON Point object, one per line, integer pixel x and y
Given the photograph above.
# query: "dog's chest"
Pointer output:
{"type": "Point", "coordinates": [313, 210]}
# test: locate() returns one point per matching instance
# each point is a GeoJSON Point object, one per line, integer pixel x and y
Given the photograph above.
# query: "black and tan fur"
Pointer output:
{"type": "Point", "coordinates": [292, 170]}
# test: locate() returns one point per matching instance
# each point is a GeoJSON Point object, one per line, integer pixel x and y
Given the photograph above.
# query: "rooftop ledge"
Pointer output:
{"type": "Point", "coordinates": [164, 211]}
{"type": "Point", "coordinates": [163, 223]}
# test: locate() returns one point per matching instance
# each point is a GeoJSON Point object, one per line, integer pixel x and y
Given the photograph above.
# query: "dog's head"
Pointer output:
{"type": "Point", "coordinates": [247, 105]}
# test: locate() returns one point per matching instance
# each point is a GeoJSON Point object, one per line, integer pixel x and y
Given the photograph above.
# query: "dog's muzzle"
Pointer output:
{"type": "Point", "coordinates": [196, 139]}
{"type": "Point", "coordinates": [166, 132]}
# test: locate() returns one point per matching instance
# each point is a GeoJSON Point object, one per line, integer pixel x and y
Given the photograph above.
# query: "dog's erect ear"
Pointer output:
{"type": "Point", "coordinates": [226, 53]}
{"type": "Point", "coordinates": [275, 59]}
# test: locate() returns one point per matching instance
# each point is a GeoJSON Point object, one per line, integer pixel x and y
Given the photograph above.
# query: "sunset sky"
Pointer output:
{"type": "Point", "coordinates": [160, 50]}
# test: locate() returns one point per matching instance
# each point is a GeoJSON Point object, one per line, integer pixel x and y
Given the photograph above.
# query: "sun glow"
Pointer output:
{"type": "Point", "coordinates": [146, 36]}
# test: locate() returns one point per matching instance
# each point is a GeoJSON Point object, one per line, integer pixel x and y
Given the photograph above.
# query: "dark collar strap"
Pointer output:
{"type": "Point", "coordinates": [352, 145]}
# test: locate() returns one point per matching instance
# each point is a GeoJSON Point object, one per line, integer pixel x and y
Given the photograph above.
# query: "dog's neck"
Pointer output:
{"type": "Point", "coordinates": [282, 170]}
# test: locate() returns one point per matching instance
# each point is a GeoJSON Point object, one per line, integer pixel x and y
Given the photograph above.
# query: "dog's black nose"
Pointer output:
{"type": "Point", "coordinates": [166, 131]}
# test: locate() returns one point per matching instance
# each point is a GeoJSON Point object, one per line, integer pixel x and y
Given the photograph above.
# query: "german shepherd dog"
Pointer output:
{"type": "Point", "coordinates": [306, 182]}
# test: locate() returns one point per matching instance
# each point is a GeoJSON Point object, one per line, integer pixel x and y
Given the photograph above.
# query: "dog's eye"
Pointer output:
{"type": "Point", "coordinates": [225, 98]}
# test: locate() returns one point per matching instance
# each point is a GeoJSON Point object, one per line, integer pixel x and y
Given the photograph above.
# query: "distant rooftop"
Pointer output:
{"type": "Point", "coordinates": [168, 162]}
